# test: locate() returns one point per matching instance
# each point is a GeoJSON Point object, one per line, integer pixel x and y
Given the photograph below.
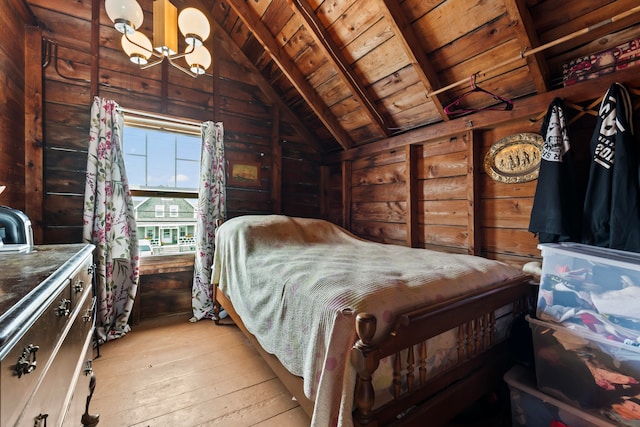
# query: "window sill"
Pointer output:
{"type": "Point", "coordinates": [158, 264]}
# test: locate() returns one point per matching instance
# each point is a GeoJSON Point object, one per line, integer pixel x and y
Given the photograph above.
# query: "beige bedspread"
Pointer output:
{"type": "Point", "coordinates": [298, 284]}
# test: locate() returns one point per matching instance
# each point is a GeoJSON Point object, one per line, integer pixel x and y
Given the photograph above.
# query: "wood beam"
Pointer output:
{"type": "Point", "coordinates": [334, 55]}
{"type": "Point", "coordinates": [33, 132]}
{"type": "Point", "coordinates": [524, 29]}
{"type": "Point", "coordinates": [473, 194]}
{"type": "Point", "coordinates": [276, 163]}
{"type": "Point", "coordinates": [346, 194]}
{"type": "Point", "coordinates": [414, 50]}
{"type": "Point", "coordinates": [289, 69]}
{"type": "Point", "coordinates": [95, 47]}
{"type": "Point", "coordinates": [412, 154]}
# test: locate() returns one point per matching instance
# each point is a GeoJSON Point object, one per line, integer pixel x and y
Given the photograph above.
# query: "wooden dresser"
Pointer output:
{"type": "Point", "coordinates": [47, 320]}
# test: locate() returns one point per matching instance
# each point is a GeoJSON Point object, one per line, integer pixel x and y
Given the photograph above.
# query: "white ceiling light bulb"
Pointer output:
{"type": "Point", "coordinates": [126, 15]}
{"type": "Point", "coordinates": [194, 26]}
{"type": "Point", "coordinates": [199, 60]}
{"type": "Point", "coordinates": [138, 47]}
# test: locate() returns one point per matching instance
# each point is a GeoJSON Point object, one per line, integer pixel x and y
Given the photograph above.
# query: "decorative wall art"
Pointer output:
{"type": "Point", "coordinates": [244, 173]}
{"type": "Point", "coordinates": [515, 158]}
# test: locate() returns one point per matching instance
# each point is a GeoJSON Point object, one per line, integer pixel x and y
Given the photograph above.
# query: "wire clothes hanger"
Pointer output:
{"type": "Point", "coordinates": [504, 104]}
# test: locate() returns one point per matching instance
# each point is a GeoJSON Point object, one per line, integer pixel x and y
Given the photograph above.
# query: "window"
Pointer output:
{"type": "Point", "coordinates": [160, 160]}
{"type": "Point", "coordinates": [163, 168]}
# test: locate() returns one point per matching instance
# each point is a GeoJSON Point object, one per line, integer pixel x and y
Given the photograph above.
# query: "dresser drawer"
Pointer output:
{"type": "Point", "coordinates": [80, 392]}
{"type": "Point", "coordinates": [45, 331]}
{"type": "Point", "coordinates": [45, 335]}
{"type": "Point", "coordinates": [52, 395]}
{"type": "Point", "coordinates": [80, 282]}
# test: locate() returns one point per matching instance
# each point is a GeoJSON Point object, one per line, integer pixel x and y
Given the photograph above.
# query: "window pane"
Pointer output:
{"type": "Point", "coordinates": [135, 169]}
{"type": "Point", "coordinates": [172, 233]}
{"type": "Point", "coordinates": [160, 160]}
{"type": "Point", "coordinates": [189, 147]}
{"type": "Point", "coordinates": [135, 140]}
{"type": "Point", "coordinates": [188, 174]}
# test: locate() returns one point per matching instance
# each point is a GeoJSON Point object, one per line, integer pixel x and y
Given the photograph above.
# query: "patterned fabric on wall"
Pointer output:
{"type": "Point", "coordinates": [211, 208]}
{"type": "Point", "coordinates": [109, 221]}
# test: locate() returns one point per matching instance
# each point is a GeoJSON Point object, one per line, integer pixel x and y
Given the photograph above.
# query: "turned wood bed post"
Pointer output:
{"type": "Point", "coordinates": [365, 360]}
{"type": "Point", "coordinates": [216, 306]}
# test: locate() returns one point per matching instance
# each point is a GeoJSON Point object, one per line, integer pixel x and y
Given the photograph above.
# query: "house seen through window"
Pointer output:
{"type": "Point", "coordinates": [163, 168]}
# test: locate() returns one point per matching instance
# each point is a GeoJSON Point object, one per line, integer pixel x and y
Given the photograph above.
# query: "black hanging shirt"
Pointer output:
{"type": "Point", "coordinates": [611, 209]}
{"type": "Point", "coordinates": [556, 211]}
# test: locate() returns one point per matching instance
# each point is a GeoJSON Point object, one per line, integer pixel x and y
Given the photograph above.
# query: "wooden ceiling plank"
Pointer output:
{"type": "Point", "coordinates": [529, 107]}
{"type": "Point", "coordinates": [262, 34]}
{"type": "Point", "coordinates": [414, 50]}
{"type": "Point", "coordinates": [227, 43]}
{"type": "Point", "coordinates": [525, 32]}
{"type": "Point", "coordinates": [322, 38]}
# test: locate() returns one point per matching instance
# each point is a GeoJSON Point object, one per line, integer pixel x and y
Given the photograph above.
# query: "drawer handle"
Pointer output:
{"type": "Point", "coordinates": [88, 368]}
{"type": "Point", "coordinates": [27, 361]}
{"type": "Point", "coordinates": [39, 419]}
{"type": "Point", "coordinates": [88, 315]}
{"type": "Point", "coordinates": [78, 287]}
{"type": "Point", "coordinates": [63, 308]}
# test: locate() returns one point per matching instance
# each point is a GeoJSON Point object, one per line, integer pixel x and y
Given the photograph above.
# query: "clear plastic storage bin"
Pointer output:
{"type": "Point", "coordinates": [596, 287]}
{"type": "Point", "coordinates": [532, 408]}
{"type": "Point", "coordinates": [587, 371]}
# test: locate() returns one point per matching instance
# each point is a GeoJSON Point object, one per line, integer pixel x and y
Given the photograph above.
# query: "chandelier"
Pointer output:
{"type": "Point", "coordinates": [127, 17]}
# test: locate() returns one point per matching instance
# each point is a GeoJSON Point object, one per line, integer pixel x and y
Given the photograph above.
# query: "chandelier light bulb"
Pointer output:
{"type": "Point", "coordinates": [199, 60]}
{"type": "Point", "coordinates": [126, 15]}
{"type": "Point", "coordinates": [194, 26]}
{"type": "Point", "coordinates": [137, 46]}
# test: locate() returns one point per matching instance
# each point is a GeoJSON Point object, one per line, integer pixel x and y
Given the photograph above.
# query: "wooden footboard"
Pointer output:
{"type": "Point", "coordinates": [479, 367]}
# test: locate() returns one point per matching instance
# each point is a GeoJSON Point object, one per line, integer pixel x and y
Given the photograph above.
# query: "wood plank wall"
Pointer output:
{"type": "Point", "coordinates": [230, 96]}
{"type": "Point", "coordinates": [79, 67]}
{"type": "Point", "coordinates": [14, 17]}
{"type": "Point", "coordinates": [428, 188]}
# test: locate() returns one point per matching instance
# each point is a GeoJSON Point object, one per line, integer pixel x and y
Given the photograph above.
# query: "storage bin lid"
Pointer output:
{"type": "Point", "coordinates": [593, 253]}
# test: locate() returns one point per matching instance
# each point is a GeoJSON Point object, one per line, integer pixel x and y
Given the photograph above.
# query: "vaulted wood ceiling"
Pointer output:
{"type": "Point", "coordinates": [358, 71]}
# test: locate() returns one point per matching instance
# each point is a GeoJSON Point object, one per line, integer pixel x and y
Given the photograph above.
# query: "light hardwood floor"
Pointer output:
{"type": "Point", "coordinates": [170, 372]}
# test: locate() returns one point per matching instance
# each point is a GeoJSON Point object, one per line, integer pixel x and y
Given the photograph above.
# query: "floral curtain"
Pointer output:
{"type": "Point", "coordinates": [109, 221]}
{"type": "Point", "coordinates": [211, 208]}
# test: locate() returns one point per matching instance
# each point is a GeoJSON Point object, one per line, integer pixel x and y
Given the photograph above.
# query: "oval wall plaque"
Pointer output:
{"type": "Point", "coordinates": [515, 158]}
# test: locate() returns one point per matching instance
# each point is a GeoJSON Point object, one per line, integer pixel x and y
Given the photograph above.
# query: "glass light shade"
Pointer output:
{"type": "Point", "coordinates": [126, 15]}
{"type": "Point", "coordinates": [199, 60]}
{"type": "Point", "coordinates": [138, 47]}
{"type": "Point", "coordinates": [194, 26]}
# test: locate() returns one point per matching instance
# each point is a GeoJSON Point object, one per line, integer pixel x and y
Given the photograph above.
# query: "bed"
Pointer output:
{"type": "Point", "coordinates": [376, 334]}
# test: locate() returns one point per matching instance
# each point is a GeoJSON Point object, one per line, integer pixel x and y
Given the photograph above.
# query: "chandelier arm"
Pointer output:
{"type": "Point", "coordinates": [188, 50]}
{"type": "Point", "coordinates": [151, 64]}
{"type": "Point", "coordinates": [179, 67]}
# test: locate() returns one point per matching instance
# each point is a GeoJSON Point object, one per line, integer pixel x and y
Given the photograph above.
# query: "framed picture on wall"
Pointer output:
{"type": "Point", "coordinates": [244, 173]}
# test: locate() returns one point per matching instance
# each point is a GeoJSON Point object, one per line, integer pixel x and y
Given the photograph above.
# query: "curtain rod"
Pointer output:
{"type": "Point", "coordinates": [545, 46]}
{"type": "Point", "coordinates": [157, 116]}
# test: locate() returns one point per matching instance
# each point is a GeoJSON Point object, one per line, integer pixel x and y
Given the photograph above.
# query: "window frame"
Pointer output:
{"type": "Point", "coordinates": [155, 121]}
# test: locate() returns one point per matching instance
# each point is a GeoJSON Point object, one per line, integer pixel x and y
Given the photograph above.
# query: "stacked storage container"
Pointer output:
{"type": "Point", "coordinates": [586, 337]}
